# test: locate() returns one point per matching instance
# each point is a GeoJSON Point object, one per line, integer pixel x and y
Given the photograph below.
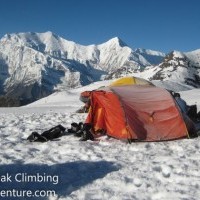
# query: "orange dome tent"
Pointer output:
{"type": "Point", "coordinates": [137, 112]}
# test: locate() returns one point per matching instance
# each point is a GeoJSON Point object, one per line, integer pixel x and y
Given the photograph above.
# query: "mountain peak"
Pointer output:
{"type": "Point", "coordinates": [116, 41]}
{"type": "Point", "coordinates": [48, 35]}
{"type": "Point", "coordinates": [174, 55]}
{"type": "Point", "coordinates": [177, 54]}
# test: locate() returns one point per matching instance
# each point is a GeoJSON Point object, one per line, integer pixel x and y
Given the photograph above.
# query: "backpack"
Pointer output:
{"type": "Point", "coordinates": [50, 134]}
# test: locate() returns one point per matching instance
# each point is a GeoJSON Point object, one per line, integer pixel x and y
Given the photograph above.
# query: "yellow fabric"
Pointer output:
{"type": "Point", "coordinates": [130, 81]}
{"type": "Point", "coordinates": [124, 81]}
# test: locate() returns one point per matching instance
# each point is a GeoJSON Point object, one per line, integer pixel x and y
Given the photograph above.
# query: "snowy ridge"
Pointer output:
{"type": "Point", "coordinates": [178, 70]}
{"type": "Point", "coordinates": [194, 56]}
{"type": "Point", "coordinates": [153, 57]}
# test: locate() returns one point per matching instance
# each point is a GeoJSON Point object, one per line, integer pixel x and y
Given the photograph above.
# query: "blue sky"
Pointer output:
{"type": "Point", "coordinates": [162, 25]}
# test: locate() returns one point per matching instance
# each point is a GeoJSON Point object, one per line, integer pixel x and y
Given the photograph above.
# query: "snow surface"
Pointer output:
{"type": "Point", "coordinates": [94, 170]}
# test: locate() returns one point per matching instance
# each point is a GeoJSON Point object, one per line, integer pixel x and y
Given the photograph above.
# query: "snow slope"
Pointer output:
{"type": "Point", "coordinates": [108, 169]}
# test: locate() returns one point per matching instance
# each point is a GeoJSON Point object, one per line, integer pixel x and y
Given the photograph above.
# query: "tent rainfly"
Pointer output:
{"type": "Point", "coordinates": [138, 113]}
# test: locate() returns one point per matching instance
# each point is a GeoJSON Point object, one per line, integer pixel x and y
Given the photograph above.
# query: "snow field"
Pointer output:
{"type": "Point", "coordinates": [95, 170]}
{"type": "Point", "coordinates": [112, 169]}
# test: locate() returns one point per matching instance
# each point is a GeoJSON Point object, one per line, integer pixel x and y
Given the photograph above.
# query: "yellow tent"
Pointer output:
{"type": "Point", "coordinates": [130, 81]}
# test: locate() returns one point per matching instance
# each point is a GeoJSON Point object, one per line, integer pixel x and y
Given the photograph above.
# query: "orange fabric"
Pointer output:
{"type": "Point", "coordinates": [151, 113]}
{"type": "Point", "coordinates": [143, 113]}
{"type": "Point", "coordinates": [106, 113]}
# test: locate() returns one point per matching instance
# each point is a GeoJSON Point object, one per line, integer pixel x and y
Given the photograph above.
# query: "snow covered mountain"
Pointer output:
{"type": "Point", "coordinates": [34, 65]}
{"type": "Point", "coordinates": [178, 68]}
{"type": "Point", "coordinates": [148, 58]}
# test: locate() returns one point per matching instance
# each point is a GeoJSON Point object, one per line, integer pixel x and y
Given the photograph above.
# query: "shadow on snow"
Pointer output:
{"type": "Point", "coordinates": [62, 178]}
